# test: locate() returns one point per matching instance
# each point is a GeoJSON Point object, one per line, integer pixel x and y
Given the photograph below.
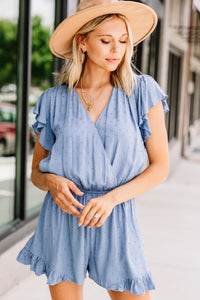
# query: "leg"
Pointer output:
{"type": "Point", "coordinates": [126, 295]}
{"type": "Point", "coordinates": [66, 290]}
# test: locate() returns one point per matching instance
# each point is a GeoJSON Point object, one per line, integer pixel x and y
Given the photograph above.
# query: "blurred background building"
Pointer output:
{"type": "Point", "coordinates": [171, 55]}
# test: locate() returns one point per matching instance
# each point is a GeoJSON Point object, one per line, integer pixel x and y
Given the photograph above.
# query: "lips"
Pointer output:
{"type": "Point", "coordinates": [113, 60]}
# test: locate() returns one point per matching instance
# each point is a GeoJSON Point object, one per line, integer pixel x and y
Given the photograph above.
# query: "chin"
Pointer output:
{"type": "Point", "coordinates": [111, 68]}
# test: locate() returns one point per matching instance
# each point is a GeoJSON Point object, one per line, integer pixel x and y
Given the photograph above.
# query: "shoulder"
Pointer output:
{"type": "Point", "coordinates": [144, 78]}
{"type": "Point", "coordinates": [51, 95]}
{"type": "Point", "coordinates": [147, 81]}
{"type": "Point", "coordinates": [147, 86]}
{"type": "Point", "coordinates": [141, 83]}
{"type": "Point", "coordinates": [55, 90]}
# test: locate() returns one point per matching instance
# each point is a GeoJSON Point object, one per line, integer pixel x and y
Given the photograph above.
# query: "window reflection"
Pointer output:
{"type": "Point", "coordinates": [7, 128]}
{"type": "Point", "coordinates": [9, 12]}
{"type": "Point", "coordinates": [42, 13]}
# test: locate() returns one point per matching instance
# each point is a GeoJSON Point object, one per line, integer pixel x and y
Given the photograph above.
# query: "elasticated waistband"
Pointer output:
{"type": "Point", "coordinates": [93, 191]}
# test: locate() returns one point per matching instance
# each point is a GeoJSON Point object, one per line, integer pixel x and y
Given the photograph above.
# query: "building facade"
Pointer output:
{"type": "Point", "coordinates": [171, 55]}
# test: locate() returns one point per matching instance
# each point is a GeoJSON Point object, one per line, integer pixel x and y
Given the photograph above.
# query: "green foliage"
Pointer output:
{"type": "Point", "coordinates": [41, 59]}
{"type": "Point", "coordinates": [8, 52]}
{"type": "Point", "coordinates": [41, 54]}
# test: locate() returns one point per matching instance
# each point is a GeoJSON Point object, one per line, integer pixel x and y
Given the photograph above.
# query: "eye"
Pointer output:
{"type": "Point", "coordinates": [105, 42]}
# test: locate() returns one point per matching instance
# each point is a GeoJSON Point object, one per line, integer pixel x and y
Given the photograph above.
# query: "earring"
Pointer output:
{"type": "Point", "coordinates": [82, 56]}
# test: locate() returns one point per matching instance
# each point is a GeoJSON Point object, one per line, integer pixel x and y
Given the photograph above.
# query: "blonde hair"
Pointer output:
{"type": "Point", "coordinates": [123, 77]}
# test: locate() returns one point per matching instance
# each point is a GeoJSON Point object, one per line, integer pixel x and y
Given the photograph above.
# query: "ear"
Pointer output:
{"type": "Point", "coordinates": [81, 42]}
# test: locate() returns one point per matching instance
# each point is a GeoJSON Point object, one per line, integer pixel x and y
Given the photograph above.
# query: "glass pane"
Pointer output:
{"type": "Point", "coordinates": [72, 7]}
{"type": "Point", "coordinates": [9, 12]}
{"type": "Point", "coordinates": [42, 13]}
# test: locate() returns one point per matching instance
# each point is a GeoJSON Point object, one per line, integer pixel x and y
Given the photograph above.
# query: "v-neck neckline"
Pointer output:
{"type": "Point", "coordinates": [103, 111]}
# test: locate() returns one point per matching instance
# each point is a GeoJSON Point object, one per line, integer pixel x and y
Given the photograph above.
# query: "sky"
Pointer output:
{"type": "Point", "coordinates": [9, 9]}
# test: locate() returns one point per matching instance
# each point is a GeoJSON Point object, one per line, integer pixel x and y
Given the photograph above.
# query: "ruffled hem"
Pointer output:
{"type": "Point", "coordinates": [134, 286]}
{"type": "Point", "coordinates": [37, 265]}
{"type": "Point", "coordinates": [37, 126]}
{"type": "Point", "coordinates": [41, 113]}
{"type": "Point", "coordinates": [46, 137]}
{"type": "Point", "coordinates": [150, 94]}
{"type": "Point", "coordinates": [42, 124]}
{"type": "Point", "coordinates": [144, 122]}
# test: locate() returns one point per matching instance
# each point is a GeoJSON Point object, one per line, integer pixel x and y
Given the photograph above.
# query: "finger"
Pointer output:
{"type": "Point", "coordinates": [75, 214]}
{"type": "Point", "coordinates": [75, 189]}
{"type": "Point", "coordinates": [64, 203]}
{"type": "Point", "coordinates": [66, 206]}
{"type": "Point", "coordinates": [101, 221]}
{"type": "Point", "coordinates": [89, 216]}
{"type": "Point", "coordinates": [95, 219]}
{"type": "Point", "coordinates": [71, 199]}
{"type": "Point", "coordinates": [71, 210]}
{"type": "Point", "coordinates": [74, 211]}
{"type": "Point", "coordinates": [85, 212]}
{"type": "Point", "coordinates": [68, 197]}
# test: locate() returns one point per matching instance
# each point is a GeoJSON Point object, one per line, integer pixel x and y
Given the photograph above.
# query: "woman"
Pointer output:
{"type": "Point", "coordinates": [95, 131]}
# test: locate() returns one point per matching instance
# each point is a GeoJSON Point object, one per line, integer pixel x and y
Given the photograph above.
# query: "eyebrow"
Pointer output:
{"type": "Point", "coordinates": [111, 35]}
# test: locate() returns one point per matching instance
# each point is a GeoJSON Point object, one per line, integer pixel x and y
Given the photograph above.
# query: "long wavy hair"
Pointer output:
{"type": "Point", "coordinates": [123, 77]}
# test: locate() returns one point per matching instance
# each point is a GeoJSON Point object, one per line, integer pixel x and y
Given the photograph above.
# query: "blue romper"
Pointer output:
{"type": "Point", "coordinates": [97, 158]}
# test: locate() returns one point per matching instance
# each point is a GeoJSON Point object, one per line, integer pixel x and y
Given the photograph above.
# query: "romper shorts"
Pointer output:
{"type": "Point", "coordinates": [97, 158]}
{"type": "Point", "coordinates": [112, 254]}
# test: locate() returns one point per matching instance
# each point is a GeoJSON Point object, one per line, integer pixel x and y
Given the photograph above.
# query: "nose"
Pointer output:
{"type": "Point", "coordinates": [115, 47]}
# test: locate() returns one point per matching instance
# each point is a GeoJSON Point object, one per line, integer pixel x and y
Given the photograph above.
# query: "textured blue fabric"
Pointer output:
{"type": "Point", "coordinates": [43, 112]}
{"type": "Point", "coordinates": [150, 94]}
{"type": "Point", "coordinates": [97, 158]}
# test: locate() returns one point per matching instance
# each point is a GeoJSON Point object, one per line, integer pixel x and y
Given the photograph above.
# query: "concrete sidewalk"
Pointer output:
{"type": "Point", "coordinates": [169, 216]}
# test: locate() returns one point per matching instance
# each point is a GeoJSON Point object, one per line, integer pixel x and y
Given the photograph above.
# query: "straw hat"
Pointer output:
{"type": "Point", "coordinates": [142, 19]}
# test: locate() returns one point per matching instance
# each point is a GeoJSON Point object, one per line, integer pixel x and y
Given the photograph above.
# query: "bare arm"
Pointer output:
{"type": "Point", "coordinates": [58, 186]}
{"type": "Point", "coordinates": [157, 171]}
{"type": "Point", "coordinates": [39, 179]}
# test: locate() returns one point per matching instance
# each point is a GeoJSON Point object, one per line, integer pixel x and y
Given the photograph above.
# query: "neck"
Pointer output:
{"type": "Point", "coordinates": [95, 77]}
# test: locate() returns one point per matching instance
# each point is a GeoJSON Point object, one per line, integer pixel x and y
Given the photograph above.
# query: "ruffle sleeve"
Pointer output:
{"type": "Point", "coordinates": [149, 94]}
{"type": "Point", "coordinates": [42, 111]}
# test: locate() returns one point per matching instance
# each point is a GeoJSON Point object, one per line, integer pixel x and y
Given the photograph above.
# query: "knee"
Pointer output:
{"type": "Point", "coordinates": [66, 290]}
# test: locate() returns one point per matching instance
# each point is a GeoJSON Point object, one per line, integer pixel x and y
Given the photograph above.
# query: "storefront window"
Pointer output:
{"type": "Point", "coordinates": [42, 14]}
{"type": "Point", "coordinates": [9, 13]}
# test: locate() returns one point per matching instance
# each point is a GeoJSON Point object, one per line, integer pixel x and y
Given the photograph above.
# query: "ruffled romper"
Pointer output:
{"type": "Point", "coordinates": [97, 158]}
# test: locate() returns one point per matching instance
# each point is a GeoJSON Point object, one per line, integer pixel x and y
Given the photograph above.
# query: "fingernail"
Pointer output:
{"type": "Point", "coordinates": [79, 224]}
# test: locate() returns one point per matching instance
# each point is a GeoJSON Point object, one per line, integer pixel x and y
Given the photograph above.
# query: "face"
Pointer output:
{"type": "Point", "coordinates": [106, 45]}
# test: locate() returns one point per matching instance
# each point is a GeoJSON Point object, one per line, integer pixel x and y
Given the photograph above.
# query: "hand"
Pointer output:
{"type": "Point", "coordinates": [102, 206]}
{"type": "Point", "coordinates": [59, 188]}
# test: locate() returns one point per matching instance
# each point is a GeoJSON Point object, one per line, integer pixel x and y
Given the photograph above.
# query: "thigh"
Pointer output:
{"type": "Point", "coordinates": [66, 290]}
{"type": "Point", "coordinates": [126, 295]}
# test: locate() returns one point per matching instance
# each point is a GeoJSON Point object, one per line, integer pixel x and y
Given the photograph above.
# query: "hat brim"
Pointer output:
{"type": "Point", "coordinates": [141, 17]}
